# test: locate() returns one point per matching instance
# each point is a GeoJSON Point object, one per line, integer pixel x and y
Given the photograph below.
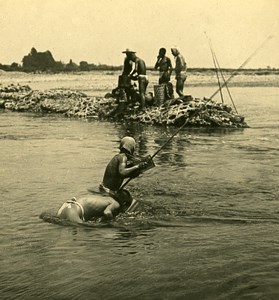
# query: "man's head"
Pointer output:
{"type": "Point", "coordinates": [175, 51]}
{"type": "Point", "coordinates": [128, 143]}
{"type": "Point", "coordinates": [133, 56]}
{"type": "Point", "coordinates": [129, 53]}
{"type": "Point", "coordinates": [124, 198]}
{"type": "Point", "coordinates": [162, 52]}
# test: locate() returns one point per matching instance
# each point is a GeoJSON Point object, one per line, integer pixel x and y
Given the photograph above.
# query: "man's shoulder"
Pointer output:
{"type": "Point", "coordinates": [121, 156]}
{"type": "Point", "coordinates": [117, 158]}
{"type": "Point", "coordinates": [168, 59]}
{"type": "Point", "coordinates": [140, 60]}
{"type": "Point", "coordinates": [181, 56]}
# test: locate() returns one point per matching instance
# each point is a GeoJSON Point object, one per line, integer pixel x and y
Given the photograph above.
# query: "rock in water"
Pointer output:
{"type": "Point", "coordinates": [198, 112]}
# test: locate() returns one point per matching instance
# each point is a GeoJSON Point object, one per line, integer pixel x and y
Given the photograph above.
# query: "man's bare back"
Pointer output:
{"type": "Point", "coordinates": [87, 207]}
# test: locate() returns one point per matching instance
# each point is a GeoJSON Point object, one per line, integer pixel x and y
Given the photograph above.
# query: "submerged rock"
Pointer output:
{"type": "Point", "coordinates": [197, 112]}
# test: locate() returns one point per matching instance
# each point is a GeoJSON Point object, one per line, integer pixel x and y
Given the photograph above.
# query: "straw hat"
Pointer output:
{"type": "Point", "coordinates": [128, 51]}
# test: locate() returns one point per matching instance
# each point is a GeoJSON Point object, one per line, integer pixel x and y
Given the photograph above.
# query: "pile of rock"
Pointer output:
{"type": "Point", "coordinates": [197, 112]}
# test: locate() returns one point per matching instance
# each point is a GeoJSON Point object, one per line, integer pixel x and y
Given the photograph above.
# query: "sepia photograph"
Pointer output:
{"type": "Point", "coordinates": [139, 155]}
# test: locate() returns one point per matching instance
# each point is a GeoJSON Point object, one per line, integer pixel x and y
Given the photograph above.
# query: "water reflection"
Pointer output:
{"type": "Point", "coordinates": [151, 139]}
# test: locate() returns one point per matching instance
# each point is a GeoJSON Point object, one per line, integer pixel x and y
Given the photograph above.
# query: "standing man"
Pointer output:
{"type": "Point", "coordinates": [164, 65]}
{"type": "Point", "coordinates": [139, 74]}
{"type": "Point", "coordinates": [180, 70]}
{"type": "Point", "coordinates": [128, 63]}
{"type": "Point", "coordinates": [124, 81]}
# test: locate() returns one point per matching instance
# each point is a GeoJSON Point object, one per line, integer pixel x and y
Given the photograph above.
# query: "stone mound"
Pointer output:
{"type": "Point", "coordinates": [198, 112]}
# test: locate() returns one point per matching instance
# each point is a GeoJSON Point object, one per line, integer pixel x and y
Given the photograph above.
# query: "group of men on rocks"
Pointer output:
{"type": "Point", "coordinates": [134, 69]}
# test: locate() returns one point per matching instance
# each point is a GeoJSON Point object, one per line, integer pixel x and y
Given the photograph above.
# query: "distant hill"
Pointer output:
{"type": "Point", "coordinates": [38, 62]}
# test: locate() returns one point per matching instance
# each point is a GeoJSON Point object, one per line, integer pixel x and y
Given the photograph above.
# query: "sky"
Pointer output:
{"type": "Point", "coordinates": [97, 31]}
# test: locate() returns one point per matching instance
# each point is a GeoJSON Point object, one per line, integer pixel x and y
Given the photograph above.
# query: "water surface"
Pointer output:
{"type": "Point", "coordinates": [208, 227]}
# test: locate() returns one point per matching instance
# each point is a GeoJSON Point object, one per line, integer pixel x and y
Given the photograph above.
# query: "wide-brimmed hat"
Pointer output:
{"type": "Point", "coordinates": [128, 51]}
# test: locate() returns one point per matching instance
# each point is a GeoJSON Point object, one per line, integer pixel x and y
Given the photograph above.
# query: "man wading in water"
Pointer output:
{"type": "Point", "coordinates": [119, 168]}
{"type": "Point", "coordinates": [112, 198]}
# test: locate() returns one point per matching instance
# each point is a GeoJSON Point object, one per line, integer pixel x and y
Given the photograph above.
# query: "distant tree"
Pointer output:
{"type": "Point", "coordinates": [29, 62]}
{"type": "Point", "coordinates": [83, 66]}
{"type": "Point", "coordinates": [44, 62]}
{"type": "Point", "coordinates": [92, 67]}
{"type": "Point", "coordinates": [15, 67]}
{"type": "Point", "coordinates": [59, 67]}
{"type": "Point", "coordinates": [38, 61]}
{"type": "Point", "coordinates": [33, 52]}
{"type": "Point", "coordinates": [71, 66]}
{"type": "Point", "coordinates": [4, 67]}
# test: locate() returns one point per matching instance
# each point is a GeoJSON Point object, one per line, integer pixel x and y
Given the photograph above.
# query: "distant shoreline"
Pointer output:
{"type": "Point", "coordinates": [99, 83]}
{"type": "Point", "coordinates": [248, 71]}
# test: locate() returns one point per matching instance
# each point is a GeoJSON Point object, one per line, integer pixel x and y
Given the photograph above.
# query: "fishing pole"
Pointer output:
{"type": "Point", "coordinates": [216, 69]}
{"type": "Point", "coordinates": [215, 61]}
{"type": "Point", "coordinates": [214, 58]}
{"type": "Point", "coordinates": [245, 62]}
{"type": "Point", "coordinates": [226, 85]}
{"type": "Point", "coordinates": [156, 152]}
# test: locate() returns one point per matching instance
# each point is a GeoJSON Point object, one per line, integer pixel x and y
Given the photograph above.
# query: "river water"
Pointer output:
{"type": "Point", "coordinates": [209, 213]}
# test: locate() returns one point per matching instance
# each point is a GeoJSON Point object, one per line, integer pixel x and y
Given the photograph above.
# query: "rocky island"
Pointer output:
{"type": "Point", "coordinates": [198, 112]}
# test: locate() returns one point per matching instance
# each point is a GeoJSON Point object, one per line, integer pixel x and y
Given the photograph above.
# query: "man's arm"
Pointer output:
{"type": "Point", "coordinates": [141, 68]}
{"type": "Point", "coordinates": [169, 66]}
{"type": "Point", "coordinates": [136, 170]}
{"type": "Point", "coordinates": [111, 209]}
{"type": "Point", "coordinates": [123, 170]}
{"type": "Point", "coordinates": [180, 64]}
{"type": "Point", "coordinates": [158, 62]}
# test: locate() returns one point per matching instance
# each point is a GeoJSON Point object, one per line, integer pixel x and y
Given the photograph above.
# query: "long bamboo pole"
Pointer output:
{"type": "Point", "coordinates": [245, 62]}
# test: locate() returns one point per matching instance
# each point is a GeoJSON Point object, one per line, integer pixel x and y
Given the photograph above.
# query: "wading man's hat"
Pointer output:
{"type": "Point", "coordinates": [128, 51]}
{"type": "Point", "coordinates": [128, 143]}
